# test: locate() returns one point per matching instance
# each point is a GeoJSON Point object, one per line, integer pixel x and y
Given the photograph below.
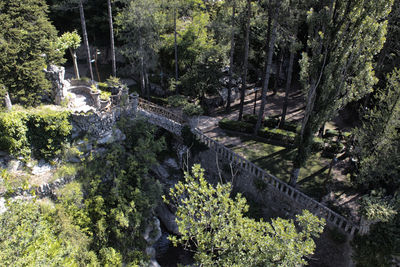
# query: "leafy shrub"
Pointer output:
{"type": "Point", "coordinates": [192, 109]}
{"type": "Point", "coordinates": [103, 87]}
{"type": "Point", "coordinates": [317, 144]}
{"type": "Point", "coordinates": [291, 126]}
{"type": "Point", "coordinates": [268, 121]}
{"type": "Point", "coordinates": [113, 82]}
{"type": "Point", "coordinates": [13, 131]}
{"type": "Point", "coordinates": [239, 126]}
{"type": "Point", "coordinates": [43, 130]}
{"type": "Point", "coordinates": [250, 118]}
{"type": "Point", "coordinates": [93, 88]}
{"type": "Point", "coordinates": [48, 130]}
{"type": "Point", "coordinates": [159, 100]}
{"type": "Point", "coordinates": [66, 171]}
{"type": "Point", "coordinates": [278, 135]}
{"type": "Point", "coordinates": [375, 208]}
{"type": "Point", "coordinates": [271, 122]}
{"type": "Point", "coordinates": [85, 79]}
{"type": "Point", "coordinates": [104, 95]}
{"type": "Point", "coordinates": [176, 101]}
{"type": "Point", "coordinates": [334, 148]}
{"type": "Point", "coordinates": [331, 133]}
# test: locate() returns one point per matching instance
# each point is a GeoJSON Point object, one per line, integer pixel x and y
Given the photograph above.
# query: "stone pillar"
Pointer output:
{"type": "Point", "coordinates": [364, 226]}
{"type": "Point", "coordinates": [55, 75]}
{"type": "Point", "coordinates": [125, 96]}
{"type": "Point", "coordinates": [96, 100]}
{"type": "Point", "coordinates": [135, 102]}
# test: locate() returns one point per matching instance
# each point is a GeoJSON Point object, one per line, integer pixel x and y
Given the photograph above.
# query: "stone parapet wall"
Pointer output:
{"type": "Point", "coordinates": [290, 198]}
{"type": "Point", "coordinates": [296, 199]}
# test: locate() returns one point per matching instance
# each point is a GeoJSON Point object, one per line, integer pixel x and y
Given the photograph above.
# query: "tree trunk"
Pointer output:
{"type": "Point", "coordinates": [85, 38]}
{"type": "Point", "coordinates": [246, 61]}
{"type": "Point", "coordinates": [176, 54]}
{"type": "Point", "coordinates": [255, 102]}
{"type": "Point", "coordinates": [278, 74]}
{"type": "Point", "coordinates": [146, 75]}
{"type": "Point", "coordinates": [142, 78]}
{"type": "Point", "coordinates": [266, 56]}
{"type": "Point", "coordinates": [321, 130]}
{"type": "Point", "coordinates": [74, 60]}
{"type": "Point", "coordinates": [7, 101]}
{"type": "Point", "coordinates": [288, 84]}
{"type": "Point", "coordinates": [268, 65]}
{"type": "Point", "coordinates": [228, 101]}
{"type": "Point", "coordinates": [95, 64]}
{"type": "Point", "coordinates": [294, 177]}
{"type": "Point", "coordinates": [110, 20]}
{"type": "Point", "coordinates": [301, 150]}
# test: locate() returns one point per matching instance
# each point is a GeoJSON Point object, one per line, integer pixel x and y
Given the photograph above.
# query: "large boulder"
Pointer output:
{"type": "Point", "coordinates": [55, 74]}
{"type": "Point", "coordinates": [168, 219]}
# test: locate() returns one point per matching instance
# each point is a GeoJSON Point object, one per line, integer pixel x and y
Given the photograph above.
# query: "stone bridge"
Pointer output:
{"type": "Point", "coordinates": [172, 122]}
{"type": "Point", "coordinates": [103, 122]}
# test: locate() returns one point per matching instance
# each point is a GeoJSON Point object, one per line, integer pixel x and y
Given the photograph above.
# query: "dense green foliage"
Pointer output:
{"type": "Point", "coordinates": [377, 142]}
{"type": "Point", "coordinates": [120, 195]}
{"type": "Point", "coordinates": [378, 139]}
{"type": "Point", "coordinates": [97, 220]}
{"type": "Point", "coordinates": [27, 46]}
{"type": "Point", "coordinates": [41, 131]}
{"type": "Point", "coordinates": [343, 50]}
{"type": "Point", "coordinates": [213, 225]}
{"type": "Point", "coordinates": [337, 67]}
{"type": "Point", "coordinates": [35, 234]}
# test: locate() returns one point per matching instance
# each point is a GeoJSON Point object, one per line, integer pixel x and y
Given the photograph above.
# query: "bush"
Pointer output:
{"type": "Point", "coordinates": [105, 95]}
{"type": "Point", "coordinates": [48, 131]}
{"type": "Point", "coordinates": [13, 129]}
{"type": "Point", "coordinates": [331, 133]}
{"type": "Point", "coordinates": [43, 130]}
{"type": "Point", "coordinates": [103, 87]}
{"type": "Point", "coordinates": [278, 135]}
{"type": "Point", "coordinates": [317, 144]}
{"type": "Point", "coordinates": [176, 101]}
{"type": "Point", "coordinates": [334, 148]}
{"type": "Point", "coordinates": [159, 100]}
{"type": "Point", "coordinates": [113, 82]}
{"type": "Point", "coordinates": [291, 126]}
{"type": "Point", "coordinates": [192, 109]}
{"type": "Point", "coordinates": [271, 122]}
{"type": "Point", "coordinates": [239, 126]}
{"type": "Point", "coordinates": [250, 118]}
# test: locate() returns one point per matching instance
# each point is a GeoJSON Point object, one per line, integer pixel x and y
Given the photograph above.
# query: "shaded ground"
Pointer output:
{"type": "Point", "coordinates": [333, 190]}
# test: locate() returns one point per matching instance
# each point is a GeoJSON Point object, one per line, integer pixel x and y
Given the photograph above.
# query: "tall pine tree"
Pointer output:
{"type": "Point", "coordinates": [27, 46]}
{"type": "Point", "coordinates": [344, 37]}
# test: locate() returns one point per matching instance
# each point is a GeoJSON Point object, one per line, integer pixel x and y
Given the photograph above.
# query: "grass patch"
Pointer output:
{"type": "Point", "coordinates": [277, 160]}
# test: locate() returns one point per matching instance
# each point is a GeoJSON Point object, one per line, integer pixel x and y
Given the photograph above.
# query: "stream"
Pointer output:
{"type": "Point", "coordinates": [169, 256]}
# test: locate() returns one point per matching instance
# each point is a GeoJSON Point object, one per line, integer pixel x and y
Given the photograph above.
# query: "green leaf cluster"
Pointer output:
{"type": "Point", "coordinates": [213, 226]}
{"type": "Point", "coordinates": [27, 46]}
{"type": "Point", "coordinates": [41, 131]}
{"type": "Point", "coordinates": [39, 234]}
{"type": "Point", "coordinates": [121, 195]}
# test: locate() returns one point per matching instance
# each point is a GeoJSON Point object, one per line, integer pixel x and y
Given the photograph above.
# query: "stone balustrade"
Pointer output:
{"type": "Point", "coordinates": [172, 122]}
